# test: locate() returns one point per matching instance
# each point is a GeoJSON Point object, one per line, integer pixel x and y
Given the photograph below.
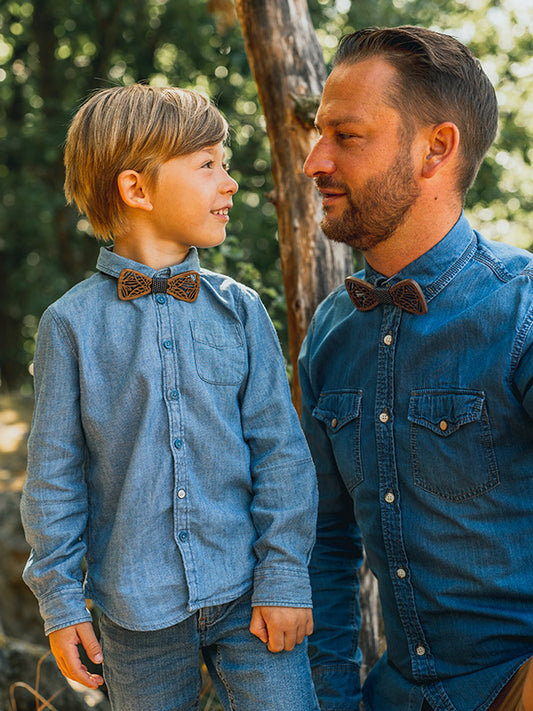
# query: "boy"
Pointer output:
{"type": "Point", "coordinates": [164, 448]}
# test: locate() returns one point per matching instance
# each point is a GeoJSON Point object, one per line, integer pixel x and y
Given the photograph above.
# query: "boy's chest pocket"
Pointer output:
{"type": "Point", "coordinates": [219, 353]}
{"type": "Point", "coordinates": [340, 411]}
{"type": "Point", "coordinates": [451, 443]}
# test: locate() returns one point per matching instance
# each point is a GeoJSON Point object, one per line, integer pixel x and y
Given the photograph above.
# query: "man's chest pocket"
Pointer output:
{"type": "Point", "coordinates": [451, 443]}
{"type": "Point", "coordinates": [219, 353]}
{"type": "Point", "coordinates": [340, 411]}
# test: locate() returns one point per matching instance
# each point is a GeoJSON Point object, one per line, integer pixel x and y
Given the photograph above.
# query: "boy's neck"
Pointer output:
{"type": "Point", "coordinates": [156, 254]}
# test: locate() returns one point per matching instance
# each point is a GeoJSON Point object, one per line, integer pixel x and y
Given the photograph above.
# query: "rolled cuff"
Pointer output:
{"type": "Point", "coordinates": [275, 587]}
{"type": "Point", "coordinates": [64, 608]}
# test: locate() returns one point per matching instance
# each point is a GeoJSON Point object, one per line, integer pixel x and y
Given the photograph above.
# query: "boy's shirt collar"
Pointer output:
{"type": "Point", "coordinates": [112, 264]}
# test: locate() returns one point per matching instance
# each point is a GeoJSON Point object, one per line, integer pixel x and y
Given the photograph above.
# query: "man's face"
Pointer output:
{"type": "Point", "coordinates": [362, 161]}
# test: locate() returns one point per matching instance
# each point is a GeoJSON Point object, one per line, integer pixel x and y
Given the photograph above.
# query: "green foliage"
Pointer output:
{"type": "Point", "coordinates": [54, 53]}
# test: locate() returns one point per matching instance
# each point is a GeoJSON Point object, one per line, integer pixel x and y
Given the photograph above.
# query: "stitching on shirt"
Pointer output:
{"type": "Point", "coordinates": [63, 328]}
{"type": "Point", "coordinates": [443, 281]}
{"type": "Point", "coordinates": [485, 256]}
{"type": "Point", "coordinates": [519, 343]}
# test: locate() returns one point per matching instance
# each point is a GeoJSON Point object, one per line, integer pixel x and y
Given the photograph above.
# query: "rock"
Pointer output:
{"type": "Point", "coordinates": [28, 669]}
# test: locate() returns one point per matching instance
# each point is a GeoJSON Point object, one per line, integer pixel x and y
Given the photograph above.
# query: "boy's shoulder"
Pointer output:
{"type": "Point", "coordinates": [228, 288]}
{"type": "Point", "coordinates": [86, 295]}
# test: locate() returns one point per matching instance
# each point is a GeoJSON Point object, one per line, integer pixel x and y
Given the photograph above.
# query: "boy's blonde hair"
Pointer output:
{"type": "Point", "coordinates": [134, 127]}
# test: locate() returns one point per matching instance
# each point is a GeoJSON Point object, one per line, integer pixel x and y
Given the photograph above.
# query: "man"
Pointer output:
{"type": "Point", "coordinates": [418, 394]}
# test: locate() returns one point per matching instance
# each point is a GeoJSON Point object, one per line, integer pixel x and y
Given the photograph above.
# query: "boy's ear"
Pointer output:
{"type": "Point", "coordinates": [443, 146]}
{"type": "Point", "coordinates": [133, 191]}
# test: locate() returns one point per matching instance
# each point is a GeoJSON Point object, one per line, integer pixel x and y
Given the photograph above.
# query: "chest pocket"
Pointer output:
{"type": "Point", "coordinates": [219, 353]}
{"type": "Point", "coordinates": [451, 443]}
{"type": "Point", "coordinates": [340, 411]}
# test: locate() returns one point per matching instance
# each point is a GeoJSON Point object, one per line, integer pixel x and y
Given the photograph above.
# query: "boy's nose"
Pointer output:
{"type": "Point", "coordinates": [231, 186]}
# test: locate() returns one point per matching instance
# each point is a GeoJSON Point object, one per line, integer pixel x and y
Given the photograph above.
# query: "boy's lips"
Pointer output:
{"type": "Point", "coordinates": [222, 212]}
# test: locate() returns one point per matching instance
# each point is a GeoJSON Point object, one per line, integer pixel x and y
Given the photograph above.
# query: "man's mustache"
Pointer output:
{"type": "Point", "coordinates": [326, 182]}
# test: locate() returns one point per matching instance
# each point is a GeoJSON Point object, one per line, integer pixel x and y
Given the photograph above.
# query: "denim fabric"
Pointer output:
{"type": "Point", "coordinates": [247, 677]}
{"type": "Point", "coordinates": [164, 449]}
{"type": "Point", "coordinates": [421, 432]}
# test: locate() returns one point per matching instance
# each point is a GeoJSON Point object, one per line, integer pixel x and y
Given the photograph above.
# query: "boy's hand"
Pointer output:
{"type": "Point", "coordinates": [64, 646]}
{"type": "Point", "coordinates": [281, 627]}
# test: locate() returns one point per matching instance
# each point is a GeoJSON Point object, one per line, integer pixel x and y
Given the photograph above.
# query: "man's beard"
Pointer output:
{"type": "Point", "coordinates": [381, 206]}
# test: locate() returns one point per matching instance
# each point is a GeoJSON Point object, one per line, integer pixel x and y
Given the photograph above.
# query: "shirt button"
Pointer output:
{"type": "Point", "coordinates": [420, 650]}
{"type": "Point", "coordinates": [167, 344]}
{"type": "Point", "coordinates": [181, 494]}
{"type": "Point", "coordinates": [388, 339]}
{"type": "Point", "coordinates": [389, 497]}
{"type": "Point", "coordinates": [174, 395]}
{"type": "Point", "coordinates": [178, 443]}
{"type": "Point", "coordinates": [384, 417]}
{"type": "Point", "coordinates": [443, 425]}
{"type": "Point", "coordinates": [334, 423]}
{"type": "Point", "coordinates": [161, 299]}
{"type": "Point", "coordinates": [401, 573]}
{"type": "Point", "coordinates": [183, 536]}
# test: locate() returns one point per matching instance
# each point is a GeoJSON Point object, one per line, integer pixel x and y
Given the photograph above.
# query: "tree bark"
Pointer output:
{"type": "Point", "coordinates": [287, 63]}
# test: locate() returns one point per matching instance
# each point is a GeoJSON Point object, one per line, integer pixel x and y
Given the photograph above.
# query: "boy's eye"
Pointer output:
{"type": "Point", "coordinates": [208, 164]}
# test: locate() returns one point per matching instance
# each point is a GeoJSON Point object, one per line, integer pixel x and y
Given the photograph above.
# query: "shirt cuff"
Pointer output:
{"type": "Point", "coordinates": [281, 587]}
{"type": "Point", "coordinates": [64, 608]}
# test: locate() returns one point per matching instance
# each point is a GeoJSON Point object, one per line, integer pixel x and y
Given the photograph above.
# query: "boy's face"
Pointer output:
{"type": "Point", "coordinates": [191, 199]}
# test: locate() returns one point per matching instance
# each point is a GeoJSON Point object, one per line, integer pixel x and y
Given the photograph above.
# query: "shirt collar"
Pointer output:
{"type": "Point", "coordinates": [112, 264]}
{"type": "Point", "coordinates": [434, 269]}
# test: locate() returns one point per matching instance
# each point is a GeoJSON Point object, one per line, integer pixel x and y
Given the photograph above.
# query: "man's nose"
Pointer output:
{"type": "Point", "coordinates": [318, 161]}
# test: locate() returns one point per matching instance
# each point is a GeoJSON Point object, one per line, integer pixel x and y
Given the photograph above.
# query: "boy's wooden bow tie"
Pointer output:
{"type": "Point", "coordinates": [132, 284]}
{"type": "Point", "coordinates": [406, 294]}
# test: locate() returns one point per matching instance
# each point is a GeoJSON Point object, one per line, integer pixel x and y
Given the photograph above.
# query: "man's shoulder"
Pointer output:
{"type": "Point", "coordinates": [506, 260]}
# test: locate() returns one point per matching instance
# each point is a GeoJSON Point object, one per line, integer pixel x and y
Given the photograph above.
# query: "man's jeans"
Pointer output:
{"type": "Point", "coordinates": [160, 670]}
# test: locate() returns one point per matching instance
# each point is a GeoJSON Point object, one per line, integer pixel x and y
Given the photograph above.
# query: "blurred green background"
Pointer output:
{"type": "Point", "coordinates": [54, 53]}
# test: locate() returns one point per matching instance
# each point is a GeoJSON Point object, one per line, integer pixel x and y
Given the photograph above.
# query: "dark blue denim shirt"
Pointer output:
{"type": "Point", "coordinates": [421, 431]}
{"type": "Point", "coordinates": [166, 451]}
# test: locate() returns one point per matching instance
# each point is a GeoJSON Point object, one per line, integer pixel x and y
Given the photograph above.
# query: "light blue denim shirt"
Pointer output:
{"type": "Point", "coordinates": [422, 434]}
{"type": "Point", "coordinates": [166, 452]}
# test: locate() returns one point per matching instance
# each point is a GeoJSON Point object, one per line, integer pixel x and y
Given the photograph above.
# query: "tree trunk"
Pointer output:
{"type": "Point", "coordinates": [288, 67]}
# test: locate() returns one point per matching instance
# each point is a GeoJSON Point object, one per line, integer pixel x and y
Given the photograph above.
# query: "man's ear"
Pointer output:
{"type": "Point", "coordinates": [133, 191]}
{"type": "Point", "coordinates": [443, 147]}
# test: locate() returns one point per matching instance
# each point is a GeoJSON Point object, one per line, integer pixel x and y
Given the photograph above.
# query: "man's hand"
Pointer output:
{"type": "Point", "coordinates": [64, 646]}
{"type": "Point", "coordinates": [281, 628]}
{"type": "Point", "coordinates": [527, 696]}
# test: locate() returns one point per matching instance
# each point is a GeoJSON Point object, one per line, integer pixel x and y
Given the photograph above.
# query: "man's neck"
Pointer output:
{"type": "Point", "coordinates": [411, 241]}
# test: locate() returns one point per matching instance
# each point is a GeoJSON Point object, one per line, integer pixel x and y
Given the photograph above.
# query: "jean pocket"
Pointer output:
{"type": "Point", "coordinates": [451, 443]}
{"type": "Point", "coordinates": [219, 353]}
{"type": "Point", "coordinates": [340, 411]}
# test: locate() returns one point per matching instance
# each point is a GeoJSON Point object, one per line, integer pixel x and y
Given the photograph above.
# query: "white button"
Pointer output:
{"type": "Point", "coordinates": [420, 650]}
{"type": "Point", "coordinates": [389, 497]}
{"type": "Point", "coordinates": [443, 425]}
{"type": "Point", "coordinates": [384, 417]}
{"type": "Point", "coordinates": [401, 573]}
{"type": "Point", "coordinates": [388, 339]}
{"type": "Point", "coordinates": [334, 422]}
{"type": "Point", "coordinates": [181, 493]}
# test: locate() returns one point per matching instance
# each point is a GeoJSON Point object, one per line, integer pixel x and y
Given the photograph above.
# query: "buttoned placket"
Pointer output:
{"type": "Point", "coordinates": [165, 307]}
{"type": "Point", "coordinates": [391, 521]}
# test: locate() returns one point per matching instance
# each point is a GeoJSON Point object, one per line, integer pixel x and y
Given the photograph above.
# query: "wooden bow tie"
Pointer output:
{"type": "Point", "coordinates": [406, 294]}
{"type": "Point", "coordinates": [132, 284]}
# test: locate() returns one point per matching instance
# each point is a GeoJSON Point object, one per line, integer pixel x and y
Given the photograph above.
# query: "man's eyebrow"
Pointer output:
{"type": "Point", "coordinates": [342, 121]}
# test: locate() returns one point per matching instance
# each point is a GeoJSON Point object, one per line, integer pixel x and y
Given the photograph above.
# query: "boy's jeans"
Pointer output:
{"type": "Point", "coordinates": [159, 670]}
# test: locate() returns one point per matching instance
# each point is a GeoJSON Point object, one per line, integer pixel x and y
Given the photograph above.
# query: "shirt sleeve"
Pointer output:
{"type": "Point", "coordinates": [54, 498]}
{"type": "Point", "coordinates": [337, 556]}
{"type": "Point", "coordinates": [284, 495]}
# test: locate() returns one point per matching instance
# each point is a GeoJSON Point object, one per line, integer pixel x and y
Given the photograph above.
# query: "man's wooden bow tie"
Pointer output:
{"type": "Point", "coordinates": [132, 284]}
{"type": "Point", "coordinates": [406, 294]}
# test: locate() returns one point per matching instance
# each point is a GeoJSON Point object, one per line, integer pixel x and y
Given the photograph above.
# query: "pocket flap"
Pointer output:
{"type": "Point", "coordinates": [444, 411]}
{"type": "Point", "coordinates": [338, 407]}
